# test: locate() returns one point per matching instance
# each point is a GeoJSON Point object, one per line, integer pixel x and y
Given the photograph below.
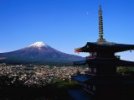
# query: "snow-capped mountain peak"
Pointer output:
{"type": "Point", "coordinates": [38, 53]}
{"type": "Point", "coordinates": [38, 44]}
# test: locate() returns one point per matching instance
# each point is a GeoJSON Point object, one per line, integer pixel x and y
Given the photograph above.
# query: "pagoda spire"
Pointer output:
{"type": "Point", "coordinates": [100, 39]}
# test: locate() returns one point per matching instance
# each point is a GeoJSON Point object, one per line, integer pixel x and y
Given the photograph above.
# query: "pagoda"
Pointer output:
{"type": "Point", "coordinates": [103, 79]}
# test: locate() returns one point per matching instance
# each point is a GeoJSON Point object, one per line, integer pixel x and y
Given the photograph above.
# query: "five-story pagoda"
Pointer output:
{"type": "Point", "coordinates": [103, 64]}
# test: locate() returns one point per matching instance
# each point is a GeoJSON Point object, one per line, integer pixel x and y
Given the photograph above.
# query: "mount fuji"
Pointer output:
{"type": "Point", "coordinates": [38, 53]}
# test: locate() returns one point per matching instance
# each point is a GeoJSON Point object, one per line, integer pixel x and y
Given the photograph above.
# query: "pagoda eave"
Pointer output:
{"type": "Point", "coordinates": [107, 46]}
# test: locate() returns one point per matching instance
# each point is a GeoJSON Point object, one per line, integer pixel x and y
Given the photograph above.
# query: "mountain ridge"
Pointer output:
{"type": "Point", "coordinates": [39, 53]}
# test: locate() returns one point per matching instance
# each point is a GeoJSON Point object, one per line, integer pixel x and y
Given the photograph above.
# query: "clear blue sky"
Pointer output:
{"type": "Point", "coordinates": [64, 24]}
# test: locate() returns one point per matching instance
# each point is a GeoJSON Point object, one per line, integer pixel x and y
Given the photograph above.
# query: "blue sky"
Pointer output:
{"type": "Point", "coordinates": [64, 24]}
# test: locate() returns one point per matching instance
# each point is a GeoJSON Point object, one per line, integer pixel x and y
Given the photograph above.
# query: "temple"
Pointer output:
{"type": "Point", "coordinates": [103, 79]}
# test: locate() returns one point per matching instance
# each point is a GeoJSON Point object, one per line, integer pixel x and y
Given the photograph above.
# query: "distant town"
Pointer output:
{"type": "Point", "coordinates": [37, 75]}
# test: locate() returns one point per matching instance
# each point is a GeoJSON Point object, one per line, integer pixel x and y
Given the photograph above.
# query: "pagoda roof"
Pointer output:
{"type": "Point", "coordinates": [105, 47]}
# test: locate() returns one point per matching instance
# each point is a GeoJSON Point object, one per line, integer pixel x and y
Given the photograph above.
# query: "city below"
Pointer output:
{"type": "Point", "coordinates": [40, 82]}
